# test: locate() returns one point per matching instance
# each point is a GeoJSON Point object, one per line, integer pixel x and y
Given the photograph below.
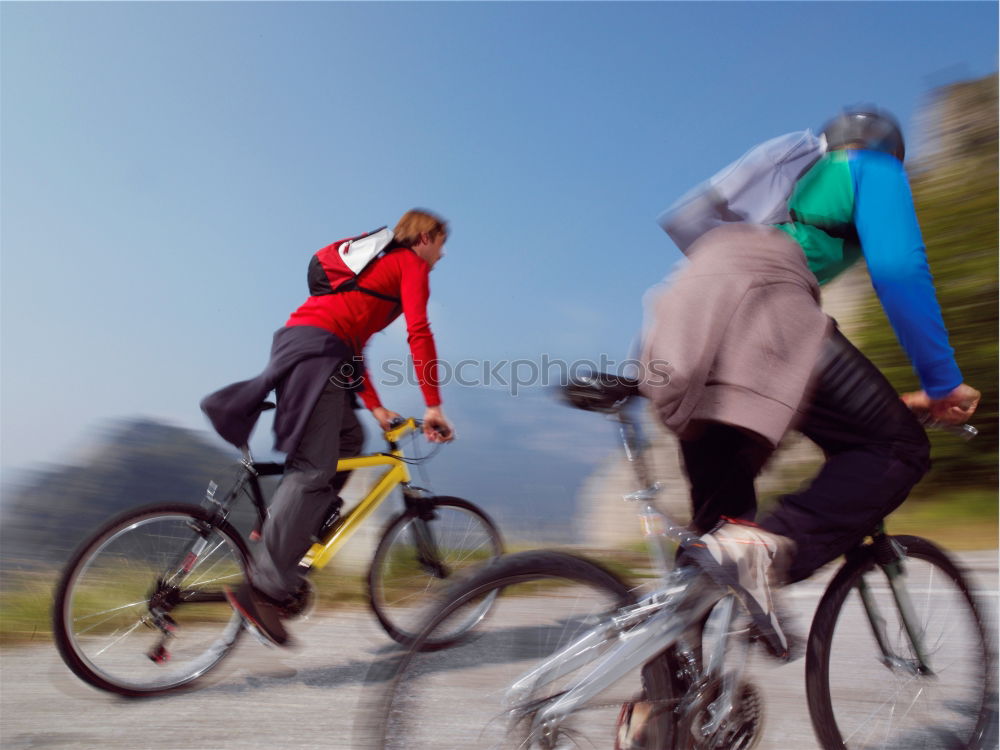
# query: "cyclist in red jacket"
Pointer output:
{"type": "Point", "coordinates": [313, 369]}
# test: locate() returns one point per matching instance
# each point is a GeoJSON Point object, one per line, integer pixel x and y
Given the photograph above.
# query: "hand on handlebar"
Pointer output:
{"type": "Point", "coordinates": [385, 417]}
{"type": "Point", "coordinates": [955, 408]}
{"type": "Point", "coordinates": [437, 429]}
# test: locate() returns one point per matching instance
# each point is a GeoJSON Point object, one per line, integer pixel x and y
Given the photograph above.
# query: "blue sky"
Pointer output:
{"type": "Point", "coordinates": [169, 168]}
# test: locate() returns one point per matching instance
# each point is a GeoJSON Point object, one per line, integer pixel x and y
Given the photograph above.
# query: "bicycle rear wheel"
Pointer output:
{"type": "Point", "coordinates": [461, 697]}
{"type": "Point", "coordinates": [421, 552]}
{"type": "Point", "coordinates": [857, 699]}
{"type": "Point", "coordinates": [140, 607]}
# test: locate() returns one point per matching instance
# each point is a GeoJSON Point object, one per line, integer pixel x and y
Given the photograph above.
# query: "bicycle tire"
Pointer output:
{"type": "Point", "coordinates": [103, 615]}
{"type": "Point", "coordinates": [849, 687]}
{"type": "Point", "coordinates": [453, 698]}
{"type": "Point", "coordinates": [400, 586]}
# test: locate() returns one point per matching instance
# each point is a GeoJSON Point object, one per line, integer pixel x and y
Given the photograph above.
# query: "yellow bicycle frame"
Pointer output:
{"type": "Point", "coordinates": [320, 554]}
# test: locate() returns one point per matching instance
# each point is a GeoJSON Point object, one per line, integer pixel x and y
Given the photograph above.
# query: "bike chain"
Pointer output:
{"type": "Point", "coordinates": [638, 699]}
{"type": "Point", "coordinates": [749, 711]}
{"type": "Point", "coordinates": [746, 712]}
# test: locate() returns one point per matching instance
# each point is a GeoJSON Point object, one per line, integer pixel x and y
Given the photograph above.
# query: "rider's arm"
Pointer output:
{"type": "Point", "coordinates": [897, 262]}
{"type": "Point", "coordinates": [366, 390]}
{"type": "Point", "coordinates": [414, 293]}
{"type": "Point", "coordinates": [369, 397]}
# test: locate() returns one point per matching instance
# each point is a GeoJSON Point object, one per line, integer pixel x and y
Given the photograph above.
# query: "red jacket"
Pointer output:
{"type": "Point", "coordinates": [353, 316]}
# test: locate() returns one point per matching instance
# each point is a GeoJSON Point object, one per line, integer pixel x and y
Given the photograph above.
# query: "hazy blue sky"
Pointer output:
{"type": "Point", "coordinates": [169, 168]}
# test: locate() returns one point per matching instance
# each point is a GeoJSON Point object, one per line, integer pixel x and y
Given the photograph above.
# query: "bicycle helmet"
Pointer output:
{"type": "Point", "coordinates": [868, 128]}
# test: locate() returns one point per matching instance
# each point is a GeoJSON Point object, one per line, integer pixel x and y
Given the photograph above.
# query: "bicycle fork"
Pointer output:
{"type": "Point", "coordinates": [889, 556]}
{"type": "Point", "coordinates": [428, 556]}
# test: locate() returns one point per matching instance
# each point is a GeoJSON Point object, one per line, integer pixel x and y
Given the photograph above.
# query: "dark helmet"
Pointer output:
{"type": "Point", "coordinates": [868, 128]}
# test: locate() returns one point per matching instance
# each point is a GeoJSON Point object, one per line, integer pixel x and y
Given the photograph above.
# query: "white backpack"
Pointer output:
{"type": "Point", "coordinates": [754, 189]}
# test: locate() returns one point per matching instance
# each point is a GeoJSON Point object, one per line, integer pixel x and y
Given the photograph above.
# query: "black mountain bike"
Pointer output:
{"type": "Point", "coordinates": [140, 607]}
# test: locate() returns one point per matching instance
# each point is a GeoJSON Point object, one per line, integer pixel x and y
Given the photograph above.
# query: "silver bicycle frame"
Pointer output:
{"type": "Point", "coordinates": [635, 635]}
{"type": "Point", "coordinates": [632, 636]}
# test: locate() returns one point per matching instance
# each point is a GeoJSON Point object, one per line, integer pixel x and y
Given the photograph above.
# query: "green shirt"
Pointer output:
{"type": "Point", "coordinates": [822, 210]}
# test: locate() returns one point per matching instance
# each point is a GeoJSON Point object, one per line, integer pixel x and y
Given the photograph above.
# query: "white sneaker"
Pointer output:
{"type": "Point", "coordinates": [750, 561]}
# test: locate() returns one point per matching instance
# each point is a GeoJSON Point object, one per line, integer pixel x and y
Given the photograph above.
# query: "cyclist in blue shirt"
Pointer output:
{"type": "Point", "coordinates": [754, 357]}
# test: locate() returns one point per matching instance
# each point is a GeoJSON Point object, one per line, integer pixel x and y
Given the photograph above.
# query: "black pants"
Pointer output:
{"type": "Point", "coordinates": [307, 492]}
{"type": "Point", "coordinates": [875, 449]}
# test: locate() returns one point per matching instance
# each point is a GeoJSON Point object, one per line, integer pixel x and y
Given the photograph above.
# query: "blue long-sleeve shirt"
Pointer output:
{"type": "Point", "coordinates": [854, 202]}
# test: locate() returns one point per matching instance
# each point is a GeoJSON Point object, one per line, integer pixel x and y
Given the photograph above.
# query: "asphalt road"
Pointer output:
{"type": "Point", "coordinates": [306, 697]}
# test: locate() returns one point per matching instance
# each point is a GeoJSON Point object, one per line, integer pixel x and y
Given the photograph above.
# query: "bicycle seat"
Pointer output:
{"type": "Point", "coordinates": [600, 391]}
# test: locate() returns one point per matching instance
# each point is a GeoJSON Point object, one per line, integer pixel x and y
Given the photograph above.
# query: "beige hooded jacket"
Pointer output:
{"type": "Point", "coordinates": [741, 328]}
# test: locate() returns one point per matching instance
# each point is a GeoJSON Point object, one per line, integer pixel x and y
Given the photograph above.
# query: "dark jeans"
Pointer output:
{"type": "Point", "coordinates": [307, 492]}
{"type": "Point", "coordinates": [875, 449]}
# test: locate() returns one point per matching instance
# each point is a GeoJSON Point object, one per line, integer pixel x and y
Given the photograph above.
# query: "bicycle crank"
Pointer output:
{"type": "Point", "coordinates": [700, 728]}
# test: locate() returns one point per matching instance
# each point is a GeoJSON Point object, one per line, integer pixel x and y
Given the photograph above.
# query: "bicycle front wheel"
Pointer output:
{"type": "Point", "coordinates": [140, 608]}
{"type": "Point", "coordinates": [488, 690]}
{"type": "Point", "coordinates": [866, 695]}
{"type": "Point", "coordinates": [421, 552]}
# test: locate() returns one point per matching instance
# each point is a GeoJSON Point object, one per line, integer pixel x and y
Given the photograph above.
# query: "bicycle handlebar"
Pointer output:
{"type": "Point", "coordinates": [400, 426]}
{"type": "Point", "coordinates": [964, 431]}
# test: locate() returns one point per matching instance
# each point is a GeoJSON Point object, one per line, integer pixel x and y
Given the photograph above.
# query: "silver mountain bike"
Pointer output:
{"type": "Point", "coordinates": [898, 656]}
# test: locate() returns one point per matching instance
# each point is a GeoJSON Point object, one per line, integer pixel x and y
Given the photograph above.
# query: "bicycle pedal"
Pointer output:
{"type": "Point", "coordinates": [159, 655]}
{"type": "Point", "coordinates": [635, 720]}
{"type": "Point", "coordinates": [624, 735]}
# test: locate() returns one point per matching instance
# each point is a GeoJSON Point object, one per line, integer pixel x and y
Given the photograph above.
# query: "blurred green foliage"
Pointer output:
{"type": "Point", "coordinates": [955, 190]}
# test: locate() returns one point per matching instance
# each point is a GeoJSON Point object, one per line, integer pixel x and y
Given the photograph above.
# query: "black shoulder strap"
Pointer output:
{"type": "Point", "coordinates": [841, 230]}
{"type": "Point", "coordinates": [353, 285]}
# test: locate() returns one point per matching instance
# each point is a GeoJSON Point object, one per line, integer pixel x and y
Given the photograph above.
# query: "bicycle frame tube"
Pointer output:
{"type": "Point", "coordinates": [721, 708]}
{"type": "Point", "coordinates": [256, 496]}
{"type": "Point", "coordinates": [642, 644]}
{"type": "Point", "coordinates": [583, 649]}
{"type": "Point", "coordinates": [319, 555]}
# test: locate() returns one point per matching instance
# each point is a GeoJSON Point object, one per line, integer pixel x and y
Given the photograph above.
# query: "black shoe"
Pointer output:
{"type": "Point", "coordinates": [257, 609]}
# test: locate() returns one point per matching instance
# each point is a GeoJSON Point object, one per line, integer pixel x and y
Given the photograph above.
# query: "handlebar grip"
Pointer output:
{"type": "Point", "coordinates": [964, 431]}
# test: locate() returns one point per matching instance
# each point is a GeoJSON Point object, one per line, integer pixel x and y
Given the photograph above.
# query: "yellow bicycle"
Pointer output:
{"type": "Point", "coordinates": [140, 609]}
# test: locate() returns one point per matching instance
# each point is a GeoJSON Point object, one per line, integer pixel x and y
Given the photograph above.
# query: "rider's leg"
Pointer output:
{"type": "Point", "coordinates": [303, 497]}
{"type": "Point", "coordinates": [876, 452]}
{"type": "Point", "coordinates": [352, 440]}
{"type": "Point", "coordinates": [721, 463]}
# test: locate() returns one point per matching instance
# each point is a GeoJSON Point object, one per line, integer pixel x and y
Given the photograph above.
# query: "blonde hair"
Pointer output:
{"type": "Point", "coordinates": [414, 223]}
